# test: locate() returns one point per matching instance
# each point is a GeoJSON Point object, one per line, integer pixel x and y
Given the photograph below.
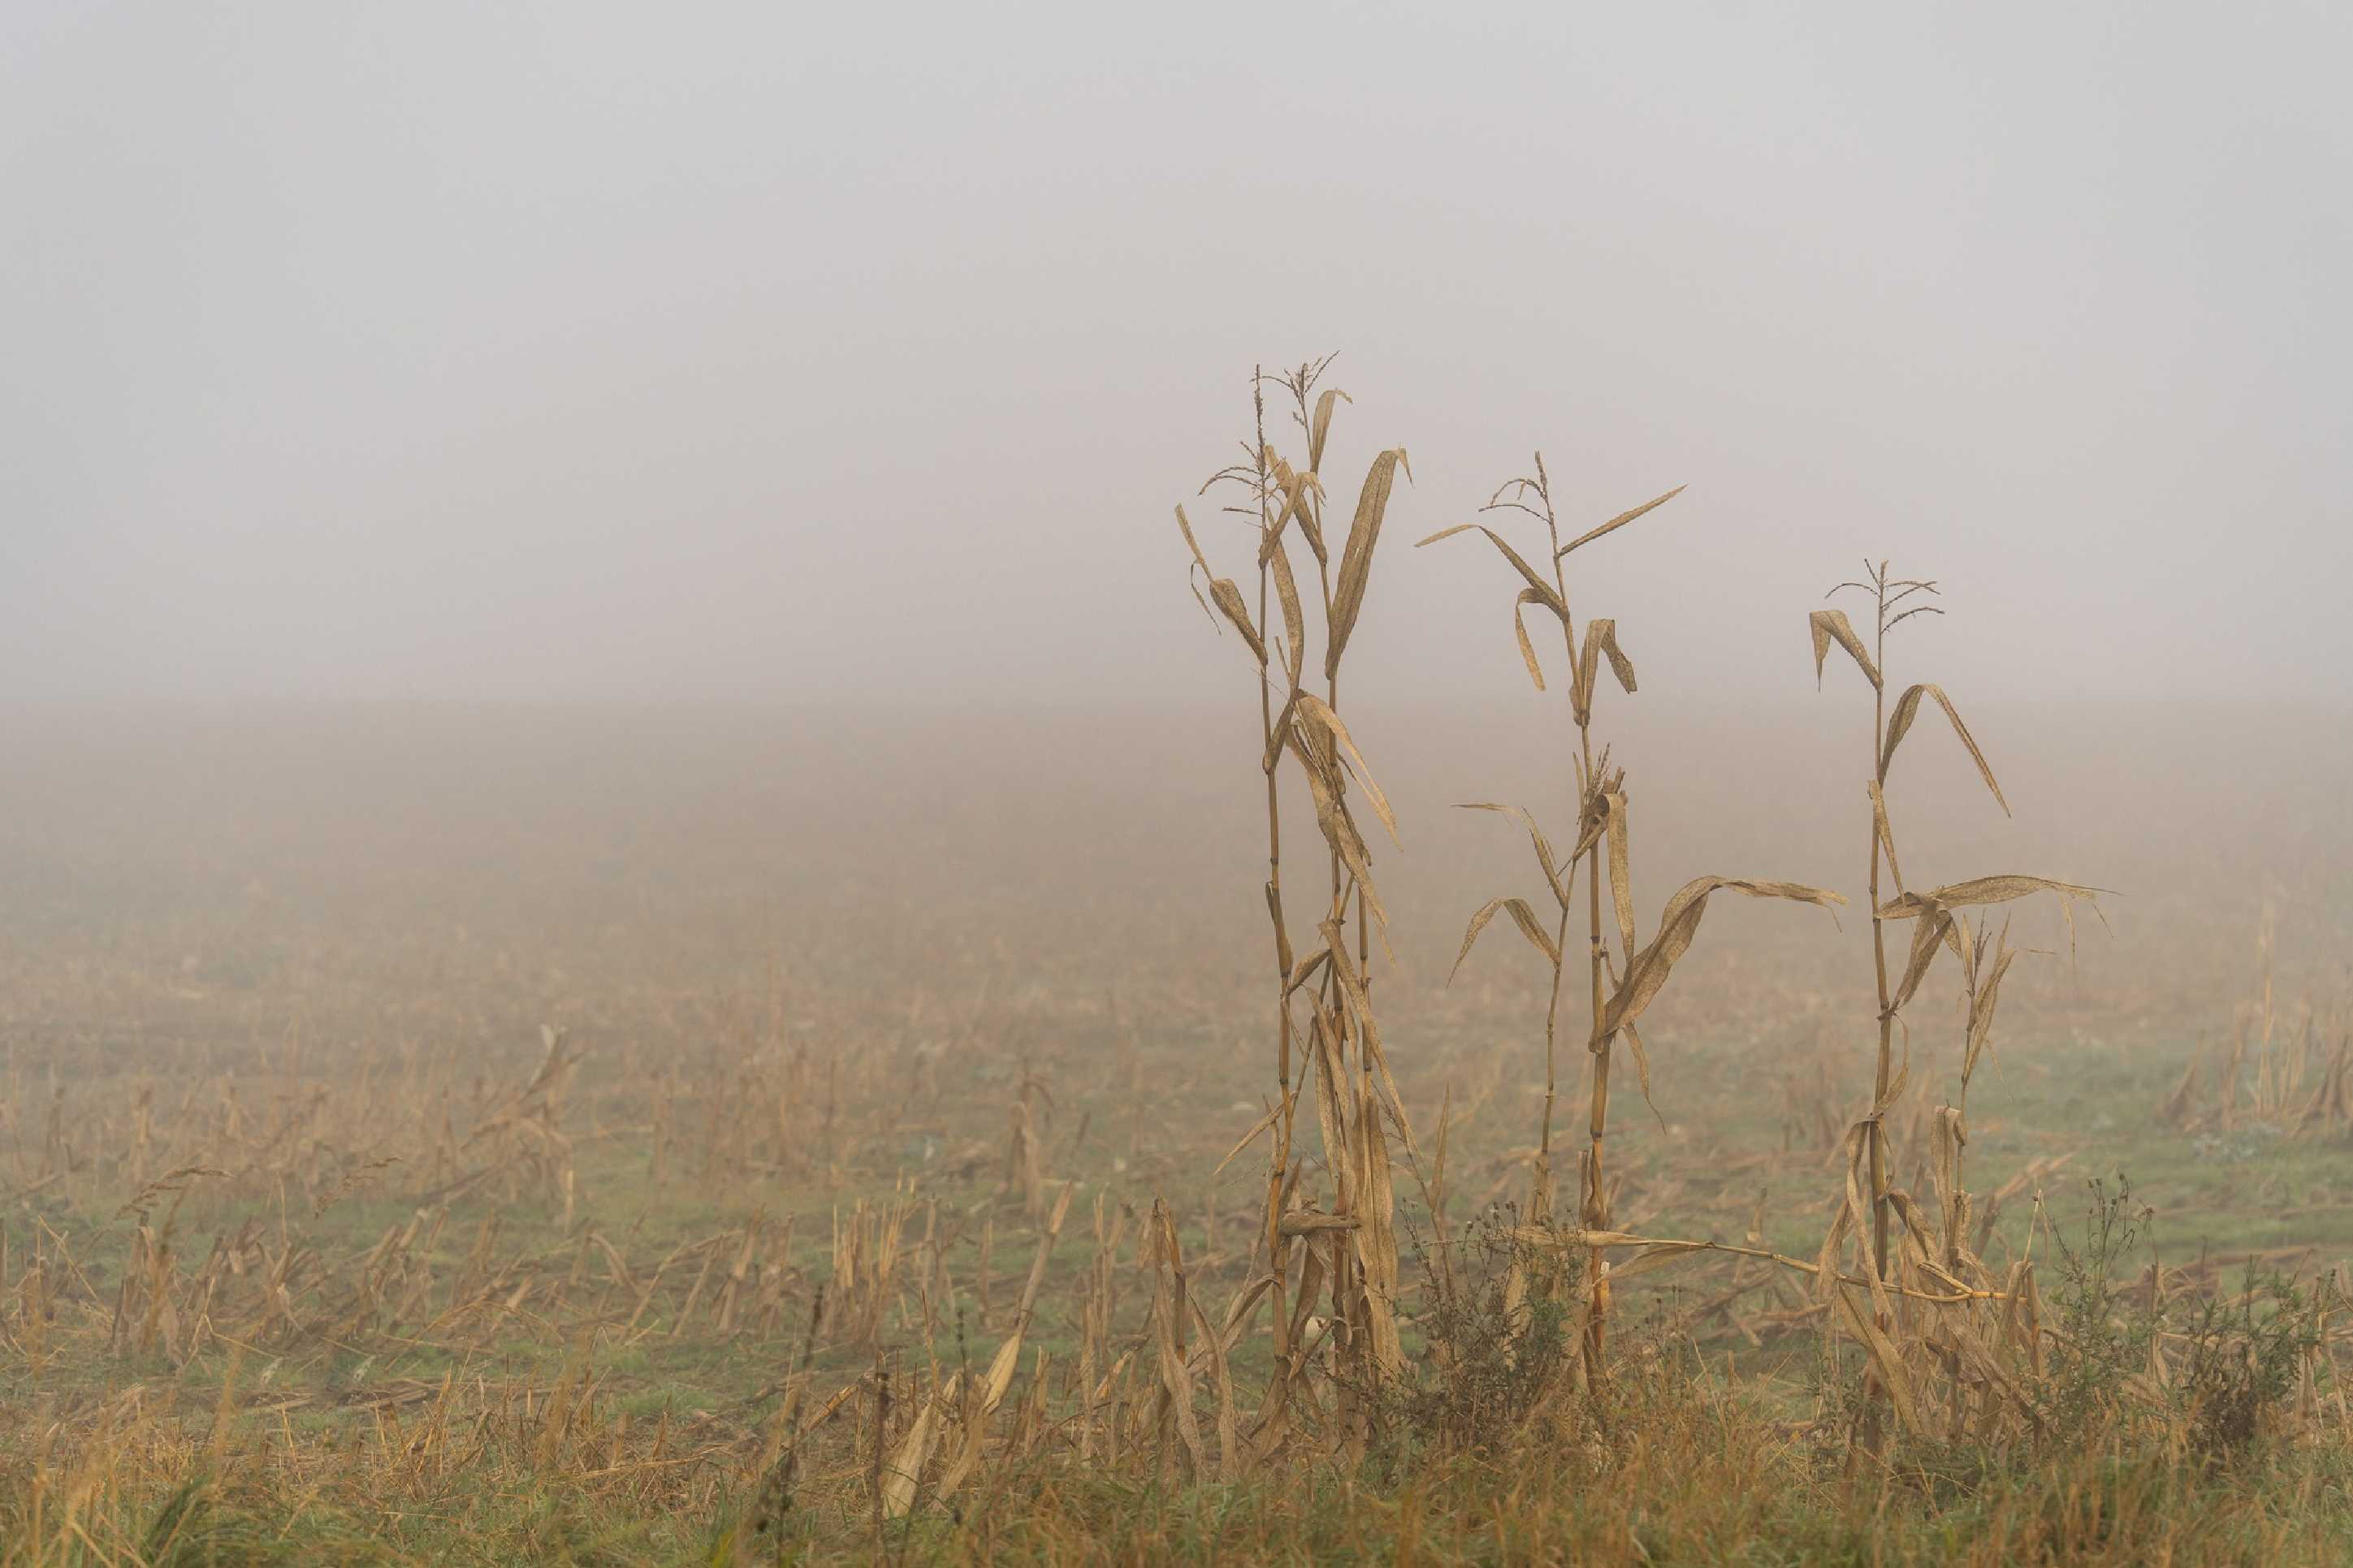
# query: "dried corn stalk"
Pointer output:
{"type": "Point", "coordinates": [1345, 1071]}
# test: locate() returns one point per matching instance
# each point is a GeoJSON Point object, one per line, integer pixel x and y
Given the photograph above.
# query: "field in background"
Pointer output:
{"type": "Point", "coordinates": [297, 1188]}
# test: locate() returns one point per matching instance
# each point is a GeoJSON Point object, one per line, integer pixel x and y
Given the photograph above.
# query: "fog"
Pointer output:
{"type": "Point", "coordinates": [819, 354]}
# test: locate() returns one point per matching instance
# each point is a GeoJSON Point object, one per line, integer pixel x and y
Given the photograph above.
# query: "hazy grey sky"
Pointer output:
{"type": "Point", "coordinates": [579, 349]}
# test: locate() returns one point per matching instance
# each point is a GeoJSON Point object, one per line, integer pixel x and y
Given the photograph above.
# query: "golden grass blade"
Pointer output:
{"type": "Point", "coordinates": [1830, 626]}
{"type": "Point", "coordinates": [1907, 708]}
{"type": "Point", "coordinates": [1356, 557]}
{"type": "Point", "coordinates": [1621, 519]}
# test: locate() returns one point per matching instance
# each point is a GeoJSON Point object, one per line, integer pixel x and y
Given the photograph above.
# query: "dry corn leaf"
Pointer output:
{"type": "Point", "coordinates": [1294, 621]}
{"type": "Point", "coordinates": [1376, 1247]}
{"type": "Point", "coordinates": [1524, 917]}
{"type": "Point", "coordinates": [1830, 626]}
{"type": "Point", "coordinates": [1928, 940]}
{"type": "Point", "coordinates": [1621, 519]}
{"type": "Point", "coordinates": [1899, 723]}
{"type": "Point", "coordinates": [1520, 914]}
{"type": "Point", "coordinates": [1281, 936]}
{"type": "Point", "coordinates": [1322, 424]}
{"type": "Point", "coordinates": [1544, 593]}
{"type": "Point", "coordinates": [1647, 972]}
{"type": "Point", "coordinates": [1228, 598]}
{"type": "Point", "coordinates": [1893, 1376]}
{"type": "Point", "coordinates": [1886, 832]}
{"type": "Point", "coordinates": [1260, 1125]}
{"type": "Point", "coordinates": [1356, 557]}
{"type": "Point", "coordinates": [1634, 1042]}
{"type": "Point", "coordinates": [1621, 881]}
{"type": "Point", "coordinates": [1545, 857]}
{"type": "Point", "coordinates": [1340, 829]}
{"type": "Point", "coordinates": [1982, 890]}
{"type": "Point", "coordinates": [1981, 1008]}
{"type": "Point", "coordinates": [913, 1451]}
{"type": "Point", "coordinates": [1320, 713]}
{"type": "Point", "coordinates": [1229, 1438]}
{"type": "Point", "coordinates": [1352, 987]}
{"type": "Point", "coordinates": [1302, 496]}
{"type": "Point", "coordinates": [1600, 639]}
{"type": "Point", "coordinates": [1520, 629]}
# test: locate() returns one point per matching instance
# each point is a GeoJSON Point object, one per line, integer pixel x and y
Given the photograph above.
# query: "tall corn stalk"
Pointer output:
{"type": "Point", "coordinates": [1353, 1244]}
{"type": "Point", "coordinates": [1909, 1271]}
{"type": "Point", "coordinates": [1616, 996]}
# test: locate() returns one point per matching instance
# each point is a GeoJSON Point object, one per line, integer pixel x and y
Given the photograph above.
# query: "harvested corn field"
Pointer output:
{"type": "Point", "coordinates": [584, 1166]}
{"type": "Point", "coordinates": [748, 816]}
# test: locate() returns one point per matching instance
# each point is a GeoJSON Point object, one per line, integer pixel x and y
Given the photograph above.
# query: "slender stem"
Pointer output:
{"type": "Point", "coordinates": [1280, 1152]}
{"type": "Point", "coordinates": [1874, 1427]}
{"type": "Point", "coordinates": [1552, 1016]}
{"type": "Point", "coordinates": [1597, 1193]}
{"type": "Point", "coordinates": [1560, 936]}
{"type": "Point", "coordinates": [1879, 950]}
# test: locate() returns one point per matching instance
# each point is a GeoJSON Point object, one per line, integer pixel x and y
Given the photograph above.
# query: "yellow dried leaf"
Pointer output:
{"type": "Point", "coordinates": [1356, 557]}
{"type": "Point", "coordinates": [1830, 626]}
{"type": "Point", "coordinates": [1621, 519]}
{"type": "Point", "coordinates": [1899, 721]}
